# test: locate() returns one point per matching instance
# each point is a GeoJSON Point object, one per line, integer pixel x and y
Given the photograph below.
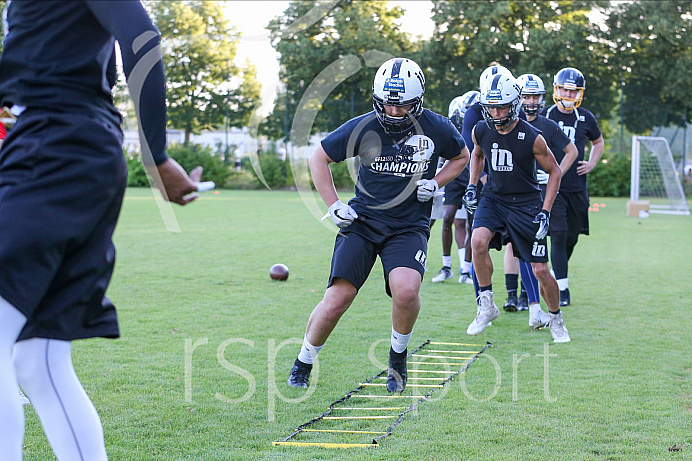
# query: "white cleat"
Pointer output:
{"type": "Point", "coordinates": [466, 278]}
{"type": "Point", "coordinates": [445, 273]}
{"type": "Point", "coordinates": [558, 329]}
{"type": "Point", "coordinates": [539, 320]}
{"type": "Point", "coordinates": [23, 398]}
{"type": "Point", "coordinates": [487, 312]}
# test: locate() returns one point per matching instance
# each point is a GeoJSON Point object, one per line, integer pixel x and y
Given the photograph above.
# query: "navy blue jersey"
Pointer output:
{"type": "Point", "coordinates": [389, 167]}
{"type": "Point", "coordinates": [59, 56]}
{"type": "Point", "coordinates": [509, 160]}
{"type": "Point", "coordinates": [471, 118]}
{"type": "Point", "coordinates": [463, 178]}
{"type": "Point", "coordinates": [554, 137]}
{"type": "Point", "coordinates": [579, 125]}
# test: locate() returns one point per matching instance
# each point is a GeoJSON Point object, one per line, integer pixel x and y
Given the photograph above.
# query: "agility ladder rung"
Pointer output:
{"type": "Point", "coordinates": [407, 385]}
{"type": "Point", "coordinates": [343, 432]}
{"type": "Point", "coordinates": [328, 445]}
{"type": "Point", "coordinates": [437, 363]}
{"type": "Point", "coordinates": [371, 408]}
{"type": "Point", "coordinates": [437, 343]}
{"type": "Point", "coordinates": [452, 357]}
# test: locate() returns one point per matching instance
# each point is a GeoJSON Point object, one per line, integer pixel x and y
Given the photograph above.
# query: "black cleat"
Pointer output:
{"type": "Point", "coordinates": [511, 304]}
{"type": "Point", "coordinates": [564, 297]}
{"type": "Point", "coordinates": [523, 302]}
{"type": "Point", "coordinates": [300, 372]}
{"type": "Point", "coordinates": [396, 377]}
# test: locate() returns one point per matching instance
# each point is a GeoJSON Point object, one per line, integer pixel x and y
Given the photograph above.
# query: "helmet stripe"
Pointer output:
{"type": "Point", "coordinates": [396, 67]}
{"type": "Point", "coordinates": [496, 79]}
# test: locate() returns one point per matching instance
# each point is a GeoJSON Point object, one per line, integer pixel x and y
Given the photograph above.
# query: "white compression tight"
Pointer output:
{"type": "Point", "coordinates": [72, 426]}
{"type": "Point", "coordinates": [11, 412]}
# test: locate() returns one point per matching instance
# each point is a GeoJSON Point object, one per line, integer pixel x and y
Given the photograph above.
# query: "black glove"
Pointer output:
{"type": "Point", "coordinates": [471, 199]}
{"type": "Point", "coordinates": [543, 221]}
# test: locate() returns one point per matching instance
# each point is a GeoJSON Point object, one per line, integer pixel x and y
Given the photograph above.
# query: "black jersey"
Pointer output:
{"type": "Point", "coordinates": [579, 125]}
{"type": "Point", "coordinates": [556, 140]}
{"type": "Point", "coordinates": [76, 70]}
{"type": "Point", "coordinates": [509, 161]}
{"type": "Point", "coordinates": [389, 167]}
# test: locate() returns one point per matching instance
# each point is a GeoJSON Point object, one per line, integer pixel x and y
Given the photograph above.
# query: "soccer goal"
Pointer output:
{"type": "Point", "coordinates": [654, 176]}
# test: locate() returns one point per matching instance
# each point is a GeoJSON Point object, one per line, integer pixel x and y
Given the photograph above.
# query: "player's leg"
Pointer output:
{"type": "Point", "coordinates": [352, 261]}
{"type": "Point", "coordinates": [403, 261]}
{"type": "Point", "coordinates": [483, 267]}
{"type": "Point", "coordinates": [69, 419]}
{"type": "Point", "coordinates": [464, 244]}
{"type": "Point", "coordinates": [551, 294]}
{"type": "Point", "coordinates": [446, 271]}
{"type": "Point", "coordinates": [12, 421]}
{"type": "Point", "coordinates": [537, 317]}
{"type": "Point", "coordinates": [562, 219]}
{"type": "Point", "coordinates": [511, 266]}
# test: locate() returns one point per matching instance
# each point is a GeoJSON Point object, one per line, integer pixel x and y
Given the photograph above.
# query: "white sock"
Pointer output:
{"type": "Point", "coordinates": [399, 341]}
{"type": "Point", "coordinates": [533, 308]}
{"type": "Point", "coordinates": [466, 267]}
{"type": "Point", "coordinates": [447, 261]}
{"type": "Point", "coordinates": [462, 256]}
{"type": "Point", "coordinates": [563, 284]}
{"type": "Point", "coordinates": [12, 420]}
{"type": "Point", "coordinates": [308, 352]}
{"type": "Point", "coordinates": [69, 419]}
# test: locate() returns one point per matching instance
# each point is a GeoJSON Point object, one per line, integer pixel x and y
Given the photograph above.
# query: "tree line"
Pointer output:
{"type": "Point", "coordinates": [636, 57]}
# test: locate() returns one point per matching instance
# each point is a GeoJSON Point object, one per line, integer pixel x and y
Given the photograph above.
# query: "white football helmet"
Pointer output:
{"type": "Point", "coordinates": [501, 91]}
{"type": "Point", "coordinates": [490, 72]}
{"type": "Point", "coordinates": [459, 106]}
{"type": "Point", "coordinates": [398, 82]}
{"type": "Point", "coordinates": [532, 84]}
{"type": "Point", "coordinates": [569, 78]}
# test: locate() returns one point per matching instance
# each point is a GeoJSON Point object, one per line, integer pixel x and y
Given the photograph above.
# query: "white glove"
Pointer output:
{"type": "Point", "coordinates": [426, 189]}
{"type": "Point", "coordinates": [542, 176]}
{"type": "Point", "coordinates": [342, 214]}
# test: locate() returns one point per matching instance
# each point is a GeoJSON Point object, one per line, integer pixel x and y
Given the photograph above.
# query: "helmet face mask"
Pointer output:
{"type": "Point", "coordinates": [398, 82]}
{"type": "Point", "coordinates": [502, 91]}
{"type": "Point", "coordinates": [531, 84]}
{"type": "Point", "coordinates": [572, 79]}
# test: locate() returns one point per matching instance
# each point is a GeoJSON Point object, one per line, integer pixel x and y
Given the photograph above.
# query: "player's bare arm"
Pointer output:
{"type": "Point", "coordinates": [585, 166]}
{"type": "Point", "coordinates": [477, 160]}
{"type": "Point", "coordinates": [571, 154]}
{"type": "Point", "coordinates": [452, 168]}
{"type": "Point", "coordinates": [322, 175]}
{"type": "Point", "coordinates": [548, 163]}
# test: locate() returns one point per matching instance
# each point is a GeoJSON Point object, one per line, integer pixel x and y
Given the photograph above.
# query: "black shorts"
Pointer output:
{"type": "Point", "coordinates": [454, 192]}
{"type": "Point", "coordinates": [358, 245]}
{"type": "Point", "coordinates": [570, 213]}
{"type": "Point", "coordinates": [513, 223]}
{"type": "Point", "coordinates": [62, 181]}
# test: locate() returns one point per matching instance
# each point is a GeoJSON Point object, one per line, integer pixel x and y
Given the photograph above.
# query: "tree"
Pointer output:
{"type": "Point", "coordinates": [653, 45]}
{"type": "Point", "coordinates": [203, 82]}
{"type": "Point", "coordinates": [333, 52]}
{"type": "Point", "coordinates": [539, 37]}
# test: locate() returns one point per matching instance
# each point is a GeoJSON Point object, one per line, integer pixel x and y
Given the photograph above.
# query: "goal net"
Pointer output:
{"type": "Point", "coordinates": [654, 176]}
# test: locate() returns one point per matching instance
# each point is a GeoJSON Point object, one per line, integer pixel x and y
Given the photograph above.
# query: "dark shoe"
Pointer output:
{"type": "Point", "coordinates": [511, 304]}
{"type": "Point", "coordinates": [299, 374]}
{"type": "Point", "coordinates": [396, 377]}
{"type": "Point", "coordinates": [564, 297]}
{"type": "Point", "coordinates": [523, 302]}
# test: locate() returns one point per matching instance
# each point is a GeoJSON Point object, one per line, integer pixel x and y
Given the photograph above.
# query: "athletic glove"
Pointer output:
{"type": "Point", "coordinates": [426, 189]}
{"type": "Point", "coordinates": [342, 214]}
{"type": "Point", "coordinates": [471, 199]}
{"type": "Point", "coordinates": [543, 221]}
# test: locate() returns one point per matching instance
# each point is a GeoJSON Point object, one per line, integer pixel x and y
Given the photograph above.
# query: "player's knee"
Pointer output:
{"type": "Point", "coordinates": [542, 272]}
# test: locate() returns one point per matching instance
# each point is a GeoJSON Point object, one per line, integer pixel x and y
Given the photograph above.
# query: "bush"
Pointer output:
{"type": "Point", "coordinates": [611, 178]}
{"type": "Point", "coordinates": [192, 155]}
{"type": "Point", "coordinates": [276, 172]}
{"type": "Point", "coordinates": [136, 176]}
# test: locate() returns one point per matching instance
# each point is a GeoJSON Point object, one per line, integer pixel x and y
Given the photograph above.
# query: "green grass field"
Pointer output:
{"type": "Point", "coordinates": [207, 341]}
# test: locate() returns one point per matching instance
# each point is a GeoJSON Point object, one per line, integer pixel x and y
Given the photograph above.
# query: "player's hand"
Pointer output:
{"type": "Point", "coordinates": [426, 189]}
{"type": "Point", "coordinates": [178, 186]}
{"type": "Point", "coordinates": [541, 176]}
{"type": "Point", "coordinates": [543, 221]}
{"type": "Point", "coordinates": [584, 167]}
{"type": "Point", "coordinates": [342, 214]}
{"type": "Point", "coordinates": [471, 198]}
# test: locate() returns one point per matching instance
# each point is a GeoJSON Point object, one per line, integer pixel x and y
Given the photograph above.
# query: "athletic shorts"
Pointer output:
{"type": "Point", "coordinates": [454, 192]}
{"type": "Point", "coordinates": [358, 245]}
{"type": "Point", "coordinates": [512, 223]}
{"type": "Point", "coordinates": [62, 181]}
{"type": "Point", "coordinates": [570, 213]}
